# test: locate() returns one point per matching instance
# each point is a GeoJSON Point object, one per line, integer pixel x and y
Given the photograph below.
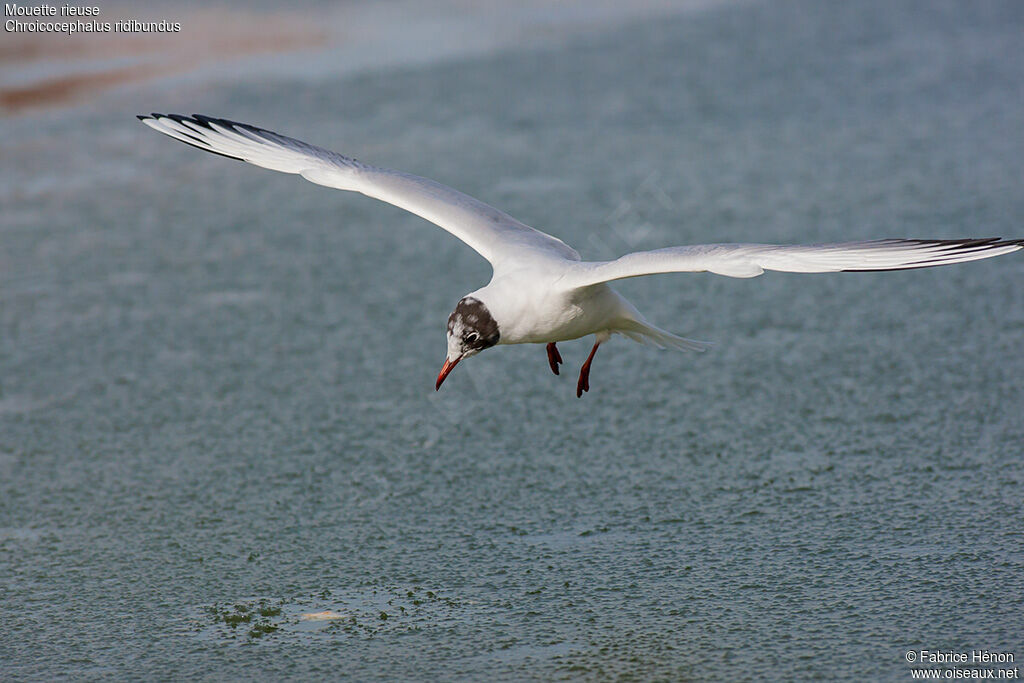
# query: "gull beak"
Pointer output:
{"type": "Point", "coordinates": [446, 369]}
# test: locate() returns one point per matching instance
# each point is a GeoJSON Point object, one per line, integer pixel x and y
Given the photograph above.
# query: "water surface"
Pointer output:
{"type": "Point", "coordinates": [216, 383]}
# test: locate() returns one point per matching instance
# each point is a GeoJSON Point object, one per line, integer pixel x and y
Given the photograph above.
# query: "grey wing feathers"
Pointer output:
{"type": "Point", "coordinates": [750, 260]}
{"type": "Point", "coordinates": [494, 235]}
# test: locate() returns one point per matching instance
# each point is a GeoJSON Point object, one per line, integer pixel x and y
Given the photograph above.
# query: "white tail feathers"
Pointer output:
{"type": "Point", "coordinates": [648, 334]}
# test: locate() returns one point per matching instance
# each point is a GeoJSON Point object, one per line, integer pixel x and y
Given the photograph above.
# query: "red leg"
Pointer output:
{"type": "Point", "coordinates": [554, 357]}
{"type": "Point", "coordinates": [584, 383]}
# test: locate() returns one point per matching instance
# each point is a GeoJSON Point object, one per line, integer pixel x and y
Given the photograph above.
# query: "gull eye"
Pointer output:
{"type": "Point", "coordinates": [472, 337]}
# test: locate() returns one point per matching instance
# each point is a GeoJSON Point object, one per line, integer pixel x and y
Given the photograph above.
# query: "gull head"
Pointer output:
{"type": "Point", "coordinates": [471, 329]}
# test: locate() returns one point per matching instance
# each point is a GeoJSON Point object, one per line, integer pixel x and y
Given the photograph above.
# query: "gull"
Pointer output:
{"type": "Point", "coordinates": [540, 291]}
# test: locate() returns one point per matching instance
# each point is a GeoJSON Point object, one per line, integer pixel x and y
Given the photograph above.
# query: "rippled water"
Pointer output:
{"type": "Point", "coordinates": [216, 383]}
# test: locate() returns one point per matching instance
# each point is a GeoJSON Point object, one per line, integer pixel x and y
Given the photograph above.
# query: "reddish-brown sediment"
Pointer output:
{"type": "Point", "coordinates": [205, 37]}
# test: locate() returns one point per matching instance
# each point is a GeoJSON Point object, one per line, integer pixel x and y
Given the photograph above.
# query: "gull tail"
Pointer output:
{"type": "Point", "coordinates": [643, 332]}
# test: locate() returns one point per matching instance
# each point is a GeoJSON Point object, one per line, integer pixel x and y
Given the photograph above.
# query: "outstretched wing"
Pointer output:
{"type": "Point", "coordinates": [750, 260]}
{"type": "Point", "coordinates": [494, 235]}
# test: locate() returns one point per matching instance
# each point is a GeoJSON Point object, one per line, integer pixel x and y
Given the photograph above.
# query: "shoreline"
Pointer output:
{"type": "Point", "coordinates": [46, 70]}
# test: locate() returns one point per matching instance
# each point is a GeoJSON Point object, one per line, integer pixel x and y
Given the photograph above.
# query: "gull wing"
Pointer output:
{"type": "Point", "coordinates": [750, 260]}
{"type": "Point", "coordinates": [496, 236]}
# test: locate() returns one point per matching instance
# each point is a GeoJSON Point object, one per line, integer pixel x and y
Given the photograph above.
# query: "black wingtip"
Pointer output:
{"type": "Point", "coordinates": [970, 244]}
{"type": "Point", "coordinates": [191, 137]}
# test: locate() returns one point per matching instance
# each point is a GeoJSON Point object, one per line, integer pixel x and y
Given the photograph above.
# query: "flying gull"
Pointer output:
{"type": "Point", "coordinates": [541, 292]}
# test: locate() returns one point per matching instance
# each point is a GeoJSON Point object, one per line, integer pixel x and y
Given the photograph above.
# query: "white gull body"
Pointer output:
{"type": "Point", "coordinates": [541, 291]}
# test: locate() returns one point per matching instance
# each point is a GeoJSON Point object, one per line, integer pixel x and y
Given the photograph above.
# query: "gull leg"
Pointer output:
{"type": "Point", "coordinates": [584, 382]}
{"type": "Point", "coordinates": [554, 357]}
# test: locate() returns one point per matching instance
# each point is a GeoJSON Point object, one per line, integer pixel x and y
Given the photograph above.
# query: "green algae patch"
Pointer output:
{"type": "Point", "coordinates": [261, 616]}
{"type": "Point", "coordinates": [368, 611]}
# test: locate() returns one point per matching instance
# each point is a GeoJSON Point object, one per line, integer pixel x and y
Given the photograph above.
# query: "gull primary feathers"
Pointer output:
{"type": "Point", "coordinates": [541, 292]}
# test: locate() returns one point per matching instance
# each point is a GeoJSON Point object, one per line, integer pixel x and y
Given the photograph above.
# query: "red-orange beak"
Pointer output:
{"type": "Point", "coordinates": [446, 369]}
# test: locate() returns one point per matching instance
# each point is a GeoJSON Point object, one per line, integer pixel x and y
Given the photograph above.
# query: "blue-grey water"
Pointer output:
{"type": "Point", "coordinates": [217, 410]}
